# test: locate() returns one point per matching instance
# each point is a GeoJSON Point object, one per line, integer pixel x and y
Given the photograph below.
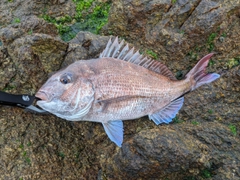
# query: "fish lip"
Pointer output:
{"type": "Point", "coordinates": [43, 96]}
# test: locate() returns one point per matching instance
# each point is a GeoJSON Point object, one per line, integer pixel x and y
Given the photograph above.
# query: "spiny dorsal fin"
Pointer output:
{"type": "Point", "coordinates": [116, 50]}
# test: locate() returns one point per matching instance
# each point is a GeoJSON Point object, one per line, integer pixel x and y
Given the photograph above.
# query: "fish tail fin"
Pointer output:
{"type": "Point", "coordinates": [198, 75]}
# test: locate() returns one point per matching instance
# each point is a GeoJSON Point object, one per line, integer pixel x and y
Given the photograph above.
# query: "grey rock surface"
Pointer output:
{"type": "Point", "coordinates": [181, 28]}
{"type": "Point", "coordinates": [10, 10]}
{"type": "Point", "coordinates": [26, 53]}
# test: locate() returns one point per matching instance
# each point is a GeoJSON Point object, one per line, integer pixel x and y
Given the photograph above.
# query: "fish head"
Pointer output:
{"type": "Point", "coordinates": [66, 94]}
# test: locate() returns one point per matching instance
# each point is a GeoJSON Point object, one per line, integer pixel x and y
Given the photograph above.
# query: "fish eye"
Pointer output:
{"type": "Point", "coordinates": [65, 79]}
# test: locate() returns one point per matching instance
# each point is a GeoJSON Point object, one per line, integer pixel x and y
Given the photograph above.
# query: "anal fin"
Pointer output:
{"type": "Point", "coordinates": [114, 130]}
{"type": "Point", "coordinates": [166, 114]}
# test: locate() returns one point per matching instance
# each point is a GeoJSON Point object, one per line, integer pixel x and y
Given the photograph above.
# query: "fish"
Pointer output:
{"type": "Point", "coordinates": [121, 84]}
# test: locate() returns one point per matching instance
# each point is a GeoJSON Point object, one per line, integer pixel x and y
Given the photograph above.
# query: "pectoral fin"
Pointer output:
{"type": "Point", "coordinates": [166, 114]}
{"type": "Point", "coordinates": [114, 130]}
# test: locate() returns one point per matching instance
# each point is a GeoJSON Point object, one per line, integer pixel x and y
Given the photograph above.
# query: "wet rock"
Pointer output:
{"type": "Point", "coordinates": [85, 46]}
{"type": "Point", "coordinates": [203, 141]}
{"type": "Point", "coordinates": [26, 53]}
{"type": "Point", "coordinates": [215, 100]}
{"type": "Point", "coordinates": [11, 10]}
{"type": "Point", "coordinates": [175, 152]}
{"type": "Point", "coordinates": [187, 29]}
{"type": "Point", "coordinates": [29, 25]}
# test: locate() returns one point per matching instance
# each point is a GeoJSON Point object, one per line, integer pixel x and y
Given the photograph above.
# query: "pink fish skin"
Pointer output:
{"type": "Point", "coordinates": [119, 85]}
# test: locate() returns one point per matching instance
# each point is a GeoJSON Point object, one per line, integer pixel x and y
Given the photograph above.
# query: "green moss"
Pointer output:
{"type": "Point", "coordinates": [60, 23]}
{"type": "Point", "coordinates": [152, 54]}
{"type": "Point", "coordinates": [30, 32]}
{"type": "Point", "coordinates": [233, 129]}
{"type": "Point", "coordinates": [211, 63]}
{"type": "Point", "coordinates": [181, 32]}
{"type": "Point", "coordinates": [193, 55]}
{"type": "Point", "coordinates": [77, 155]}
{"type": "Point", "coordinates": [210, 41]}
{"type": "Point", "coordinates": [61, 154]}
{"type": "Point", "coordinates": [16, 20]}
{"type": "Point", "coordinates": [195, 123]}
{"type": "Point", "coordinates": [82, 5]}
{"type": "Point", "coordinates": [64, 19]}
{"type": "Point", "coordinates": [179, 75]}
{"type": "Point", "coordinates": [24, 153]}
{"type": "Point", "coordinates": [224, 35]}
{"type": "Point", "coordinates": [28, 160]}
{"type": "Point", "coordinates": [91, 15]}
{"type": "Point", "coordinates": [9, 87]}
{"type": "Point", "coordinates": [21, 146]}
{"type": "Point", "coordinates": [206, 173]}
{"type": "Point", "coordinates": [210, 111]}
{"type": "Point", "coordinates": [177, 120]}
{"type": "Point", "coordinates": [233, 62]}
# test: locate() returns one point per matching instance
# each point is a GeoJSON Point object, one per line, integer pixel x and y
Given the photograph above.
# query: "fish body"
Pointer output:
{"type": "Point", "coordinates": [119, 85]}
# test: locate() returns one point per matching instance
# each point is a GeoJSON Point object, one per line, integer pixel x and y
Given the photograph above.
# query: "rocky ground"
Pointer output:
{"type": "Point", "coordinates": [202, 142]}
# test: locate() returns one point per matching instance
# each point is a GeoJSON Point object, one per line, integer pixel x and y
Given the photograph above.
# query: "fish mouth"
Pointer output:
{"type": "Point", "coordinates": [42, 96]}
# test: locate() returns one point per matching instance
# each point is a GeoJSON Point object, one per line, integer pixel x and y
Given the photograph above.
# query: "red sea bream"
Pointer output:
{"type": "Point", "coordinates": [119, 85]}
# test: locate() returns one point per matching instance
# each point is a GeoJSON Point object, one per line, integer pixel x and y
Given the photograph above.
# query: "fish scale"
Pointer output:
{"type": "Point", "coordinates": [134, 87]}
{"type": "Point", "coordinates": [120, 85]}
{"type": "Point", "coordinates": [151, 95]}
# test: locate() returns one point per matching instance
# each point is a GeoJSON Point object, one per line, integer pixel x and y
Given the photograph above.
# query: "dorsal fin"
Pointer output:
{"type": "Point", "coordinates": [117, 50]}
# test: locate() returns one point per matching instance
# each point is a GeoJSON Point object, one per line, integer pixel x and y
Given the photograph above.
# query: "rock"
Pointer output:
{"type": "Point", "coordinates": [85, 46]}
{"type": "Point", "coordinates": [212, 100]}
{"type": "Point", "coordinates": [29, 25]}
{"type": "Point", "coordinates": [26, 54]}
{"type": "Point", "coordinates": [11, 10]}
{"type": "Point", "coordinates": [174, 152]}
{"type": "Point", "coordinates": [187, 29]}
{"type": "Point", "coordinates": [202, 142]}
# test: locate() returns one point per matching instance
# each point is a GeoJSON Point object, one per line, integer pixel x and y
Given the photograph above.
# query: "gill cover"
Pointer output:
{"type": "Point", "coordinates": [73, 103]}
